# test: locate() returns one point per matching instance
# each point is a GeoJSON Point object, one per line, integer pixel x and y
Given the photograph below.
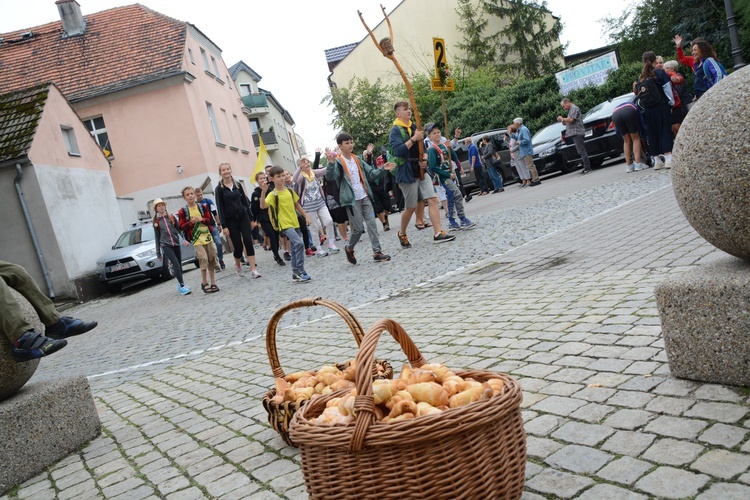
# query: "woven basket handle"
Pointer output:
{"type": "Point", "coordinates": [273, 323]}
{"type": "Point", "coordinates": [364, 403]}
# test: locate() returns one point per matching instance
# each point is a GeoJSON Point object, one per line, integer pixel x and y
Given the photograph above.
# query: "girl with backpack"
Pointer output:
{"type": "Point", "coordinates": [167, 239]}
{"type": "Point", "coordinates": [656, 111]}
{"type": "Point", "coordinates": [234, 215]}
{"type": "Point", "coordinates": [708, 71]}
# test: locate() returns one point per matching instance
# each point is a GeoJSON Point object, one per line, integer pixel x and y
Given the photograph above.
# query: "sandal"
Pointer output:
{"type": "Point", "coordinates": [214, 289]}
{"type": "Point", "coordinates": [205, 288]}
{"type": "Point", "coordinates": [421, 226]}
{"type": "Point", "coordinates": [386, 227]}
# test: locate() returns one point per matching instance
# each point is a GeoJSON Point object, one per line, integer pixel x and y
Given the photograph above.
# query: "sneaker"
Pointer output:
{"type": "Point", "coordinates": [309, 252]}
{"type": "Point", "coordinates": [467, 224]}
{"type": "Point", "coordinates": [629, 168]}
{"type": "Point", "coordinates": [239, 271]}
{"type": "Point", "coordinates": [321, 253]}
{"type": "Point", "coordinates": [637, 167]}
{"type": "Point", "coordinates": [287, 256]}
{"type": "Point", "coordinates": [221, 264]}
{"type": "Point", "coordinates": [536, 183]}
{"type": "Point", "coordinates": [350, 255]}
{"type": "Point", "coordinates": [300, 278]}
{"type": "Point", "coordinates": [453, 225]}
{"type": "Point", "coordinates": [584, 171]}
{"type": "Point", "coordinates": [280, 261]}
{"type": "Point", "coordinates": [255, 273]}
{"type": "Point", "coordinates": [333, 249]}
{"type": "Point", "coordinates": [441, 237]}
{"type": "Point", "coordinates": [658, 163]}
{"type": "Point", "coordinates": [522, 186]}
{"type": "Point", "coordinates": [68, 327]}
{"type": "Point", "coordinates": [403, 240]}
{"type": "Point", "coordinates": [184, 290]}
{"type": "Point", "coordinates": [33, 345]}
{"type": "Point", "coordinates": [380, 257]}
{"type": "Point", "coordinates": [668, 161]}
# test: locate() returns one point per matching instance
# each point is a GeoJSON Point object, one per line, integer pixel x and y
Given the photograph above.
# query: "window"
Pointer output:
{"type": "Point", "coordinates": [239, 131]}
{"type": "Point", "coordinates": [190, 54]}
{"type": "Point", "coordinates": [254, 125]}
{"type": "Point", "coordinates": [205, 60]}
{"type": "Point", "coordinates": [216, 68]}
{"type": "Point", "coordinates": [245, 89]}
{"type": "Point", "coordinates": [232, 142]}
{"type": "Point", "coordinates": [69, 137]}
{"type": "Point", "coordinates": [98, 131]}
{"type": "Point", "coordinates": [214, 123]}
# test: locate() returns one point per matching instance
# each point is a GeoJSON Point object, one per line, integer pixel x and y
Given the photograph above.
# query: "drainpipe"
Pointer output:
{"type": "Point", "coordinates": [26, 216]}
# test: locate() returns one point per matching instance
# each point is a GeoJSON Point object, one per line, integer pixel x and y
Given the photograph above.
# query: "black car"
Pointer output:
{"type": "Point", "coordinates": [547, 143]}
{"type": "Point", "coordinates": [602, 142]}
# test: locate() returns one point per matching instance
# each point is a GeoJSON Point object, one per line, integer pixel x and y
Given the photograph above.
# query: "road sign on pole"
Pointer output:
{"type": "Point", "coordinates": [441, 61]}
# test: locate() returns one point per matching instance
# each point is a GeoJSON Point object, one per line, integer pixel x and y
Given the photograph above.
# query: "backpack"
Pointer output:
{"type": "Point", "coordinates": [392, 158]}
{"type": "Point", "coordinates": [721, 72]}
{"type": "Point", "coordinates": [332, 191]}
{"type": "Point", "coordinates": [273, 212]}
{"type": "Point", "coordinates": [649, 93]}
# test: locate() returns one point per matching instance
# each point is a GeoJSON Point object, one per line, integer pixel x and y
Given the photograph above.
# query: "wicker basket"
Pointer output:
{"type": "Point", "coordinates": [474, 451]}
{"type": "Point", "coordinates": [280, 414]}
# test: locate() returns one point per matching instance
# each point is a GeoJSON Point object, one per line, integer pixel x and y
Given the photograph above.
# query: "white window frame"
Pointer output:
{"type": "Point", "coordinates": [214, 123]}
{"type": "Point", "coordinates": [96, 133]}
{"type": "Point", "coordinates": [239, 131]}
{"type": "Point", "coordinates": [204, 56]}
{"type": "Point", "coordinates": [232, 143]}
{"type": "Point", "coordinates": [69, 138]}
{"type": "Point", "coordinates": [190, 55]}
{"type": "Point", "coordinates": [216, 66]}
{"type": "Point", "coordinates": [245, 89]}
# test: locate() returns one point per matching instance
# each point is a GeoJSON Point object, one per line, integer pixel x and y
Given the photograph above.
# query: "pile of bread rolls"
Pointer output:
{"type": "Point", "coordinates": [431, 389]}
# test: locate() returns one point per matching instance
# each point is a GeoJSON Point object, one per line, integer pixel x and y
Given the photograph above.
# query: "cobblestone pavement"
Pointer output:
{"type": "Point", "coordinates": [556, 291]}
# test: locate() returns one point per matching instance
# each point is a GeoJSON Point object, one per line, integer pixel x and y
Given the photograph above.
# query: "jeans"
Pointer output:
{"type": "Point", "coordinates": [174, 255]}
{"type": "Point", "coordinates": [217, 239]}
{"type": "Point", "coordinates": [362, 213]}
{"type": "Point", "coordinates": [581, 148]}
{"type": "Point", "coordinates": [455, 200]}
{"type": "Point", "coordinates": [497, 179]}
{"type": "Point", "coordinates": [297, 248]}
{"type": "Point", "coordinates": [479, 176]}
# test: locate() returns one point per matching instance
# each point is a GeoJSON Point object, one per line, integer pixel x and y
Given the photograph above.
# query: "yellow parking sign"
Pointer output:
{"type": "Point", "coordinates": [441, 60]}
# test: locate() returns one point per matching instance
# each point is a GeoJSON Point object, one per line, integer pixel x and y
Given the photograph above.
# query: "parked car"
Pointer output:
{"type": "Point", "coordinates": [602, 142]}
{"type": "Point", "coordinates": [133, 257]}
{"type": "Point", "coordinates": [507, 171]}
{"type": "Point", "coordinates": [547, 157]}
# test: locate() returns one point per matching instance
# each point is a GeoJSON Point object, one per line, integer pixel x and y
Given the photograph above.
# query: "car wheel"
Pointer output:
{"type": "Point", "coordinates": [596, 163]}
{"type": "Point", "coordinates": [168, 271]}
{"type": "Point", "coordinates": [113, 287]}
{"type": "Point", "coordinates": [568, 167]}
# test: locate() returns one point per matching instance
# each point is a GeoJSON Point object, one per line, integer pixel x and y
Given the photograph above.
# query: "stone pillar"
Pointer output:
{"type": "Point", "coordinates": [705, 312]}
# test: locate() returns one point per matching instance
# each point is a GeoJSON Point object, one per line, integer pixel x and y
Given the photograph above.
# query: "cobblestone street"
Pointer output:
{"type": "Point", "coordinates": [555, 287]}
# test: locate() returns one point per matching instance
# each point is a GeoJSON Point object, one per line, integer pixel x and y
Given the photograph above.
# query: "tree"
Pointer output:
{"type": "Point", "coordinates": [478, 49]}
{"type": "Point", "coordinates": [652, 24]}
{"type": "Point", "coordinates": [363, 110]}
{"type": "Point", "coordinates": [526, 45]}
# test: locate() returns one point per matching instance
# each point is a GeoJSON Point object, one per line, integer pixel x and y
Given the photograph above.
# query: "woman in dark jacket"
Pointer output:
{"type": "Point", "coordinates": [234, 216]}
{"type": "Point", "coordinates": [658, 117]}
{"type": "Point", "coordinates": [260, 215]}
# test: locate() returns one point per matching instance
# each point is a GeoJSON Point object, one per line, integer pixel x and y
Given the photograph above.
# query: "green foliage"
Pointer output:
{"type": "Point", "coordinates": [652, 24]}
{"type": "Point", "coordinates": [477, 49]}
{"type": "Point", "coordinates": [363, 110]}
{"type": "Point", "coordinates": [527, 44]}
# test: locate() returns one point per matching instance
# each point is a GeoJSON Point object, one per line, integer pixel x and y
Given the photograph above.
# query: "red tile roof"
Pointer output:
{"type": "Point", "coordinates": [121, 48]}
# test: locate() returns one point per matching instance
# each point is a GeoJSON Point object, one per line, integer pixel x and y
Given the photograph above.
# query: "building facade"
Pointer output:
{"type": "Point", "coordinates": [268, 119]}
{"type": "Point", "coordinates": [414, 23]}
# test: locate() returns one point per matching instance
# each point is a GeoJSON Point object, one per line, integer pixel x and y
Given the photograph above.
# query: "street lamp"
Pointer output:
{"type": "Point", "coordinates": [733, 36]}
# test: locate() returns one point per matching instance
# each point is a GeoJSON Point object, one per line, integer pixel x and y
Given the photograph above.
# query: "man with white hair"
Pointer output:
{"type": "Point", "coordinates": [525, 149]}
{"type": "Point", "coordinates": [575, 130]}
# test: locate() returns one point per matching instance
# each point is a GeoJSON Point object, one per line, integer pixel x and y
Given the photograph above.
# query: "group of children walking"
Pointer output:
{"type": "Point", "coordinates": [283, 206]}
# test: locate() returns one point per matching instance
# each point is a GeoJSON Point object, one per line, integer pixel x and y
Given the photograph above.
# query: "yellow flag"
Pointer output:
{"type": "Point", "coordinates": [263, 159]}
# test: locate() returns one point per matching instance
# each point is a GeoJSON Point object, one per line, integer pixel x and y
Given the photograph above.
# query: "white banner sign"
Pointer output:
{"type": "Point", "coordinates": [593, 72]}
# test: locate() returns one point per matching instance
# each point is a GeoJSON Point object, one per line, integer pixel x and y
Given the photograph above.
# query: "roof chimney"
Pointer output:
{"type": "Point", "coordinates": [72, 20]}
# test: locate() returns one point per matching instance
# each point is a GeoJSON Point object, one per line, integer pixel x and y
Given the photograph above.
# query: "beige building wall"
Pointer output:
{"type": "Point", "coordinates": [414, 23]}
{"type": "Point", "coordinates": [155, 128]}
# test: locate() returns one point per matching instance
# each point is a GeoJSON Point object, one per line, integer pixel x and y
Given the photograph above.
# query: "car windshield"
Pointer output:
{"type": "Point", "coordinates": [135, 237]}
{"type": "Point", "coordinates": [548, 134]}
{"type": "Point", "coordinates": [604, 109]}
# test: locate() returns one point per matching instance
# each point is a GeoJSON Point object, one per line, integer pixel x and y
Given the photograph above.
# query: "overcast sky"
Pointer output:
{"type": "Point", "coordinates": [284, 40]}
